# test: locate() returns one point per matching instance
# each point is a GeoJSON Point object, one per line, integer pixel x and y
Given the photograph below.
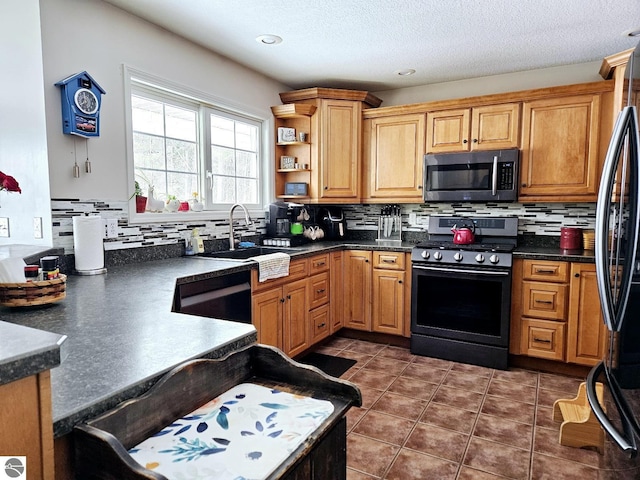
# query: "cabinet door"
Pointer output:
{"type": "Point", "coordinates": [448, 131]}
{"type": "Point", "coordinates": [336, 295]}
{"type": "Point", "coordinates": [395, 157]}
{"type": "Point", "coordinates": [559, 159]}
{"type": "Point", "coordinates": [339, 150]}
{"type": "Point", "coordinates": [388, 301]}
{"type": "Point", "coordinates": [357, 289]}
{"type": "Point", "coordinates": [587, 335]}
{"type": "Point", "coordinates": [266, 313]}
{"type": "Point", "coordinates": [296, 318]}
{"type": "Point", "coordinates": [495, 126]}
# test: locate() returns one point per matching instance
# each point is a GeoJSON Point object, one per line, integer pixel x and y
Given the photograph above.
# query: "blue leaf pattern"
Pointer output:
{"type": "Point", "coordinates": [274, 406]}
{"type": "Point", "coordinates": [259, 426]}
{"type": "Point", "coordinates": [202, 426]}
{"type": "Point", "coordinates": [222, 420]}
{"type": "Point", "coordinates": [183, 429]}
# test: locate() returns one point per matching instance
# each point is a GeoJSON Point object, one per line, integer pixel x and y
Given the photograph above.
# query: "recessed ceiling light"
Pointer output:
{"type": "Point", "coordinates": [406, 72]}
{"type": "Point", "coordinates": [269, 39]}
{"type": "Point", "coordinates": [634, 32]}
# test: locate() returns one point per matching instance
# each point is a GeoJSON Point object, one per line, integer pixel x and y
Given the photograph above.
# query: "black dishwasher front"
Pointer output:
{"type": "Point", "coordinates": [227, 297]}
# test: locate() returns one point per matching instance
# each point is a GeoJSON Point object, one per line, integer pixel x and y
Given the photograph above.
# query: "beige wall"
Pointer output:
{"type": "Point", "coordinates": [97, 37]}
{"type": "Point", "coordinates": [547, 77]}
{"type": "Point", "coordinates": [23, 145]}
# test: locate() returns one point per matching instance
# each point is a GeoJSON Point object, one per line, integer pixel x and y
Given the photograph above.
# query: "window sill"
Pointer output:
{"type": "Point", "coordinates": [188, 217]}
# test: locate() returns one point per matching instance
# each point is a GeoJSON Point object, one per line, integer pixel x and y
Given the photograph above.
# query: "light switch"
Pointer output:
{"type": "Point", "coordinates": [37, 227]}
{"type": "Point", "coordinates": [4, 227]}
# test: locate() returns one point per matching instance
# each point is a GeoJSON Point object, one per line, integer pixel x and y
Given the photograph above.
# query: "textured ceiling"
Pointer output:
{"type": "Point", "coordinates": [360, 44]}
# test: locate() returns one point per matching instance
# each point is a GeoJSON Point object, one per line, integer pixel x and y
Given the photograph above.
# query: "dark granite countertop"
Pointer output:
{"type": "Point", "coordinates": [554, 253]}
{"type": "Point", "coordinates": [26, 351]}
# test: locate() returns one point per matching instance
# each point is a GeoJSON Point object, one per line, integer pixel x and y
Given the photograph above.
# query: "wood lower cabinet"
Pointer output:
{"type": "Point", "coordinates": [560, 140]}
{"type": "Point", "coordinates": [357, 289]}
{"type": "Point", "coordinates": [556, 313]}
{"type": "Point", "coordinates": [393, 154]}
{"type": "Point", "coordinates": [26, 425]}
{"type": "Point", "coordinates": [388, 301]}
{"type": "Point", "coordinates": [490, 127]}
{"type": "Point", "coordinates": [336, 294]}
{"type": "Point", "coordinates": [266, 310]}
{"type": "Point", "coordinates": [586, 335]}
{"type": "Point", "coordinates": [295, 318]}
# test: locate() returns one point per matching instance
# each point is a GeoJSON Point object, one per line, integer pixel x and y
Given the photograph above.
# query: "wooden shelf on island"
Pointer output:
{"type": "Point", "coordinates": [293, 110]}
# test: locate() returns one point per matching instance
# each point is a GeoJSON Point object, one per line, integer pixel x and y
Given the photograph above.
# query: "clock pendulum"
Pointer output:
{"type": "Point", "coordinates": [87, 163]}
{"type": "Point", "coordinates": [76, 168]}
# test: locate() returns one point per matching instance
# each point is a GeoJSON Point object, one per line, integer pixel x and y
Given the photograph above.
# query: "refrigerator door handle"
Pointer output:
{"type": "Point", "coordinates": [626, 127]}
{"type": "Point", "coordinates": [626, 445]}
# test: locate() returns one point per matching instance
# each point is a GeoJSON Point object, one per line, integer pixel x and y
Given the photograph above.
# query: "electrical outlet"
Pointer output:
{"type": "Point", "coordinates": [413, 220]}
{"type": "Point", "coordinates": [37, 227]}
{"type": "Point", "coordinates": [111, 228]}
{"type": "Point", "coordinates": [4, 227]}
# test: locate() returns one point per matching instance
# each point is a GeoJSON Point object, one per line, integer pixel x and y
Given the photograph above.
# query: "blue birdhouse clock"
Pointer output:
{"type": "Point", "coordinates": [81, 100]}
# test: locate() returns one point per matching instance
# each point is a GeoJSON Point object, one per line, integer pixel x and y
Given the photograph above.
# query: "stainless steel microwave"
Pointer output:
{"type": "Point", "coordinates": [488, 176]}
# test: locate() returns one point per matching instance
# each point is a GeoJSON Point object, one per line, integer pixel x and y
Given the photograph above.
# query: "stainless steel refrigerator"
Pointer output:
{"type": "Point", "coordinates": [618, 274]}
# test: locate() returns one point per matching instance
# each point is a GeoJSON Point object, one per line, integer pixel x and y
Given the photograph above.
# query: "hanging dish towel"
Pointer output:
{"type": "Point", "coordinates": [272, 265]}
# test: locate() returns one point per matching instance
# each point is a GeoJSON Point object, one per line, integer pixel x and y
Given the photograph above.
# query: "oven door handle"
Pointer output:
{"type": "Point", "coordinates": [494, 177]}
{"type": "Point", "coordinates": [462, 270]}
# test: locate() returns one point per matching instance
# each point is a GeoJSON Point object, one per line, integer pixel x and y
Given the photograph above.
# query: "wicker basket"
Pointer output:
{"type": "Point", "coordinates": [33, 293]}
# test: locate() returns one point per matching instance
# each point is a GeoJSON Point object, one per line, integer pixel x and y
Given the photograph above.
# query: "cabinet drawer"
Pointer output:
{"type": "Point", "coordinates": [388, 260]}
{"type": "Point", "coordinates": [544, 300]}
{"type": "Point", "coordinates": [320, 323]}
{"type": "Point", "coordinates": [318, 290]}
{"type": "Point", "coordinates": [319, 263]}
{"type": "Point", "coordinates": [297, 269]}
{"type": "Point", "coordinates": [542, 339]}
{"type": "Point", "coordinates": [545, 271]}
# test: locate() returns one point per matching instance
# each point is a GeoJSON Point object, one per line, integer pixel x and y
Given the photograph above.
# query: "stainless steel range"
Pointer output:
{"type": "Point", "coordinates": [461, 294]}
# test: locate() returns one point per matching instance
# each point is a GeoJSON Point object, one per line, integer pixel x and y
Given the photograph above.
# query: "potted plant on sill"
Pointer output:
{"type": "Point", "coordinates": [141, 200]}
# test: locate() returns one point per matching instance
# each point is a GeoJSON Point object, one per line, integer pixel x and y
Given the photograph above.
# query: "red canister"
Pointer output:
{"type": "Point", "coordinates": [570, 238]}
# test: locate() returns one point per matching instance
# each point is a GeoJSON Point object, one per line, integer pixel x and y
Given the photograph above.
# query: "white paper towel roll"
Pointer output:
{"type": "Point", "coordinates": [87, 243]}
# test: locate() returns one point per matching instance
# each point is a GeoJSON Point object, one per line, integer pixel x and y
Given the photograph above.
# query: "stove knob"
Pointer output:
{"type": "Point", "coordinates": [479, 258]}
{"type": "Point", "coordinates": [424, 254]}
{"type": "Point", "coordinates": [457, 257]}
{"type": "Point", "coordinates": [494, 259]}
{"type": "Point", "coordinates": [437, 256]}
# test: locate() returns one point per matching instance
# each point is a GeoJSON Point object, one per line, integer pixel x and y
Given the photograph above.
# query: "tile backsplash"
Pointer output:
{"type": "Point", "coordinates": [535, 219]}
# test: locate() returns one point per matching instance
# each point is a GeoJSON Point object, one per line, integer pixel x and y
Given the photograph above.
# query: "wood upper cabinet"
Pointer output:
{"type": "Point", "coordinates": [587, 334]}
{"type": "Point", "coordinates": [357, 289]}
{"type": "Point", "coordinates": [480, 128]}
{"type": "Point", "coordinates": [393, 154]}
{"type": "Point", "coordinates": [338, 151]}
{"type": "Point", "coordinates": [559, 158]}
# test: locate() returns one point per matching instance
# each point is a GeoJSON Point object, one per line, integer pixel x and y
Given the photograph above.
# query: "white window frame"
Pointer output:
{"type": "Point", "coordinates": [210, 104]}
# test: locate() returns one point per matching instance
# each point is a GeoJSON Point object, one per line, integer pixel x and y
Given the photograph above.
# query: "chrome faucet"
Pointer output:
{"type": "Point", "coordinates": [247, 219]}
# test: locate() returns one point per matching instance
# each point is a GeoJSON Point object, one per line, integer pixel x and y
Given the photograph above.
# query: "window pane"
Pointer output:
{"type": "Point", "coordinates": [246, 137]}
{"type": "Point", "coordinates": [223, 189]}
{"type": "Point", "coordinates": [182, 185]}
{"type": "Point", "coordinates": [147, 178]}
{"type": "Point", "coordinates": [222, 161]}
{"type": "Point", "coordinates": [147, 115]}
{"type": "Point", "coordinates": [222, 131]}
{"type": "Point", "coordinates": [247, 190]}
{"type": "Point", "coordinates": [148, 151]}
{"type": "Point", "coordinates": [181, 156]}
{"type": "Point", "coordinates": [247, 165]}
{"type": "Point", "coordinates": [181, 123]}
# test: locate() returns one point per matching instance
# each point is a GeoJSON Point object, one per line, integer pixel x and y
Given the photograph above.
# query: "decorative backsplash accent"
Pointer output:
{"type": "Point", "coordinates": [143, 235]}
{"type": "Point", "coordinates": [535, 219]}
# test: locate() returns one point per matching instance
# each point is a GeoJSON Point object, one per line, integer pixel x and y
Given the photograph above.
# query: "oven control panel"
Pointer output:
{"type": "Point", "coordinates": [435, 256]}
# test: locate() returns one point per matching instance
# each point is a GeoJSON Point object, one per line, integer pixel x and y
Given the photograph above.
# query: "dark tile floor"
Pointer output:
{"type": "Point", "coordinates": [425, 418]}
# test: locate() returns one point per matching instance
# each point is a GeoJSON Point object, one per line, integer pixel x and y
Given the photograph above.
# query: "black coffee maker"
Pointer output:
{"type": "Point", "coordinates": [333, 223]}
{"type": "Point", "coordinates": [279, 224]}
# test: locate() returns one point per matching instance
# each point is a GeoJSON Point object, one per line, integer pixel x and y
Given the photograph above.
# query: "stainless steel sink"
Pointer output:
{"type": "Point", "coordinates": [243, 254]}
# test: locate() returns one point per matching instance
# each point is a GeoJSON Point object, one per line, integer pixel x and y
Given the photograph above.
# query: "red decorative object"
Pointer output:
{"type": "Point", "coordinates": [141, 204]}
{"type": "Point", "coordinates": [184, 207]}
{"type": "Point", "coordinates": [8, 183]}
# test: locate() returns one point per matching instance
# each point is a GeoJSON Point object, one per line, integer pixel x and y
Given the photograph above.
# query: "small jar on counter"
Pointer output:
{"type": "Point", "coordinates": [32, 273]}
{"type": "Point", "coordinates": [49, 267]}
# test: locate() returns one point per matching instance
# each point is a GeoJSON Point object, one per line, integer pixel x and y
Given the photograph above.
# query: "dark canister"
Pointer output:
{"type": "Point", "coordinates": [570, 238]}
{"type": "Point", "coordinates": [49, 267]}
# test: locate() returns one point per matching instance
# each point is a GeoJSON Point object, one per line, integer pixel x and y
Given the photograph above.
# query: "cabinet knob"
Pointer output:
{"type": "Point", "coordinates": [464, 141]}
{"type": "Point", "coordinates": [419, 187]}
{"type": "Point", "coordinates": [288, 297]}
{"type": "Point", "coordinates": [475, 140]}
{"type": "Point", "coordinates": [524, 184]}
{"type": "Point", "coordinates": [282, 300]}
{"type": "Point", "coordinates": [326, 188]}
{"type": "Point", "coordinates": [576, 275]}
{"type": "Point", "coordinates": [399, 281]}
{"type": "Point", "coordinates": [366, 261]}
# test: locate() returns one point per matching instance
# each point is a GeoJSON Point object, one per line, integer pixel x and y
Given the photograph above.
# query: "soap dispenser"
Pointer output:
{"type": "Point", "coordinates": [197, 242]}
